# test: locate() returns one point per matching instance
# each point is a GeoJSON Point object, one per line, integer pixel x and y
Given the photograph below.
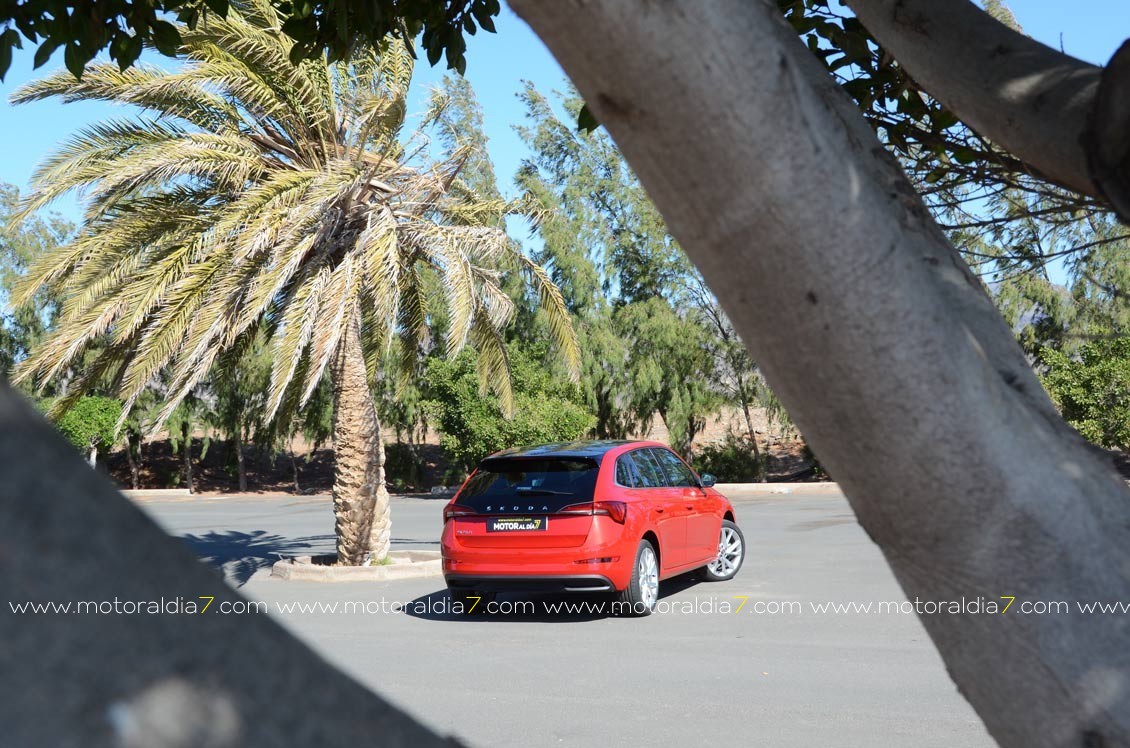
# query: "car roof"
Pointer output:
{"type": "Point", "coordinates": [594, 449]}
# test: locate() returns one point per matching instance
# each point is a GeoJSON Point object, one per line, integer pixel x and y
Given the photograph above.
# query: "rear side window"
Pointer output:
{"type": "Point", "coordinates": [626, 472]}
{"type": "Point", "coordinates": [678, 474]}
{"type": "Point", "coordinates": [651, 475]}
{"type": "Point", "coordinates": [529, 484]}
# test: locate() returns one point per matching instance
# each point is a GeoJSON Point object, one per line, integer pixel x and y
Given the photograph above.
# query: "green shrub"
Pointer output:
{"type": "Point", "coordinates": [732, 461]}
{"type": "Point", "coordinates": [472, 425]}
{"type": "Point", "coordinates": [1093, 390]}
{"type": "Point", "coordinates": [89, 424]}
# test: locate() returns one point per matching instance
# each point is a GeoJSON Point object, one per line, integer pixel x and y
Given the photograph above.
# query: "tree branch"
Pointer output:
{"type": "Point", "coordinates": [158, 680]}
{"type": "Point", "coordinates": [1032, 100]}
{"type": "Point", "coordinates": [881, 343]}
{"type": "Point", "coordinates": [1108, 142]}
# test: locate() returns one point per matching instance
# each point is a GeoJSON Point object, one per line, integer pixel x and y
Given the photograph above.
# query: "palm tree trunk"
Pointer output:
{"type": "Point", "coordinates": [361, 502]}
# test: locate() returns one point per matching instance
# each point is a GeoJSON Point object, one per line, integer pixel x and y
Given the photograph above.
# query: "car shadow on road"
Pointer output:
{"type": "Point", "coordinates": [577, 607]}
{"type": "Point", "coordinates": [238, 555]}
{"type": "Point", "coordinates": [412, 541]}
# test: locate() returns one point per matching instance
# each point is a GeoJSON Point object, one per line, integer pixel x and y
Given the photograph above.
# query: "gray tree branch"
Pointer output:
{"type": "Point", "coordinates": [1033, 101]}
{"type": "Point", "coordinates": [1108, 141]}
{"type": "Point", "coordinates": [879, 341]}
{"type": "Point", "coordinates": [161, 680]}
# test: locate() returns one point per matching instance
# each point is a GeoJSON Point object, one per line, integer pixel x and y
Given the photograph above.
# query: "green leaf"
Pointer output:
{"type": "Point", "coordinates": [43, 54]}
{"type": "Point", "coordinates": [943, 118]}
{"type": "Point", "coordinates": [5, 58]}
{"type": "Point", "coordinates": [300, 29]}
{"type": "Point", "coordinates": [299, 52]}
{"type": "Point", "coordinates": [586, 120]}
{"type": "Point", "coordinates": [131, 50]}
{"type": "Point", "coordinates": [435, 50]}
{"type": "Point", "coordinates": [166, 38]}
{"type": "Point", "coordinates": [27, 25]}
{"type": "Point", "coordinates": [75, 60]}
{"type": "Point", "coordinates": [964, 155]}
{"type": "Point", "coordinates": [855, 47]}
{"type": "Point", "coordinates": [860, 90]}
{"type": "Point", "coordinates": [190, 17]}
{"type": "Point", "coordinates": [411, 46]}
{"type": "Point", "coordinates": [936, 175]}
{"type": "Point", "coordinates": [896, 138]}
{"type": "Point", "coordinates": [219, 7]}
{"type": "Point", "coordinates": [483, 16]}
{"type": "Point", "coordinates": [8, 40]}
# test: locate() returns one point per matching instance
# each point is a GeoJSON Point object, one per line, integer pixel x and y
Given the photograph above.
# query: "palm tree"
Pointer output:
{"type": "Point", "coordinates": [251, 192]}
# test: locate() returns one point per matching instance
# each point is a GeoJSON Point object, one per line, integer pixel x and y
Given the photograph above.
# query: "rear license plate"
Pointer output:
{"type": "Point", "coordinates": [517, 524]}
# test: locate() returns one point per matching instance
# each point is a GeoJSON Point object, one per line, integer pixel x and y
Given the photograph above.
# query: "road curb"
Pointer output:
{"type": "Point", "coordinates": [405, 565]}
{"type": "Point", "coordinates": [779, 488]}
{"type": "Point", "coordinates": [156, 493]}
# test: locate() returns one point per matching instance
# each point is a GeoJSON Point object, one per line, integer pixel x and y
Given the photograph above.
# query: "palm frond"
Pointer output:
{"type": "Point", "coordinates": [492, 363]}
{"type": "Point", "coordinates": [254, 196]}
{"type": "Point", "coordinates": [556, 314]}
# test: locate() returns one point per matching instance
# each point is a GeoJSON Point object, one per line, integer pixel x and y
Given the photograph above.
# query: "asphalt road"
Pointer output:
{"type": "Point", "coordinates": [695, 673]}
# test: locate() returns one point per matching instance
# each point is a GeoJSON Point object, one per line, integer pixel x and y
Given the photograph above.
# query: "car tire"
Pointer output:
{"type": "Point", "coordinates": [642, 593]}
{"type": "Point", "coordinates": [474, 602]}
{"type": "Point", "coordinates": [731, 554]}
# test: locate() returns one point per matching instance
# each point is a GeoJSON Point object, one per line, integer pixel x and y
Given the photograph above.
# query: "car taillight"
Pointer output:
{"type": "Point", "coordinates": [617, 510]}
{"type": "Point", "coordinates": [451, 511]}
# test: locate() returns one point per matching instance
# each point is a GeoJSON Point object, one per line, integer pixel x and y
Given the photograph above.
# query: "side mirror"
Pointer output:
{"type": "Point", "coordinates": [707, 480]}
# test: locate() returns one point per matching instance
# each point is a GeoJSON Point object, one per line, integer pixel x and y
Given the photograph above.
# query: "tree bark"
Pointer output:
{"type": "Point", "coordinates": [1030, 99]}
{"type": "Point", "coordinates": [240, 467]}
{"type": "Point", "coordinates": [761, 476]}
{"type": "Point", "coordinates": [293, 466]}
{"type": "Point", "coordinates": [186, 452]}
{"type": "Point", "coordinates": [164, 680]}
{"type": "Point", "coordinates": [92, 456]}
{"type": "Point", "coordinates": [1108, 142]}
{"type": "Point", "coordinates": [361, 502]}
{"type": "Point", "coordinates": [134, 468]}
{"type": "Point", "coordinates": [883, 346]}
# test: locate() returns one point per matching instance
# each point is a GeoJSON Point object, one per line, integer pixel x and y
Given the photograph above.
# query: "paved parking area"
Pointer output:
{"type": "Point", "coordinates": [699, 672]}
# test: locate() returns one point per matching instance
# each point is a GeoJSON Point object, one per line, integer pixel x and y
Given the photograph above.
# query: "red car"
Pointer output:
{"type": "Point", "coordinates": [592, 516]}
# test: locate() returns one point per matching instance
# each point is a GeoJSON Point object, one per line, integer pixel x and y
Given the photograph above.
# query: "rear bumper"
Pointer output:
{"type": "Point", "coordinates": [603, 562]}
{"type": "Point", "coordinates": [546, 583]}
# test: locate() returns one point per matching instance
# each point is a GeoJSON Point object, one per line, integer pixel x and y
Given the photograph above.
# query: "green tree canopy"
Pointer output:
{"type": "Point", "coordinates": [83, 28]}
{"type": "Point", "coordinates": [90, 423]}
{"type": "Point", "coordinates": [547, 408]}
{"type": "Point", "coordinates": [1093, 390]}
{"type": "Point", "coordinates": [22, 328]}
{"type": "Point", "coordinates": [652, 334]}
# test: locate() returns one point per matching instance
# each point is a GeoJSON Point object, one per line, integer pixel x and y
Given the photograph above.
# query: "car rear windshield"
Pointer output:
{"type": "Point", "coordinates": [529, 484]}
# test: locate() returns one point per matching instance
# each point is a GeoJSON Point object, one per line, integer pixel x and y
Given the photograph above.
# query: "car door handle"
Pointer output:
{"type": "Point", "coordinates": [658, 510]}
{"type": "Point", "coordinates": [689, 506]}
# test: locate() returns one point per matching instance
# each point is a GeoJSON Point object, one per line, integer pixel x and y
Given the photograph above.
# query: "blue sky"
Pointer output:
{"type": "Point", "coordinates": [497, 65]}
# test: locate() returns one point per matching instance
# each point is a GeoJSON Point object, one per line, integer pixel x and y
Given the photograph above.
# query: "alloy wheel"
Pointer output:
{"type": "Point", "coordinates": [648, 577]}
{"type": "Point", "coordinates": [729, 554]}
